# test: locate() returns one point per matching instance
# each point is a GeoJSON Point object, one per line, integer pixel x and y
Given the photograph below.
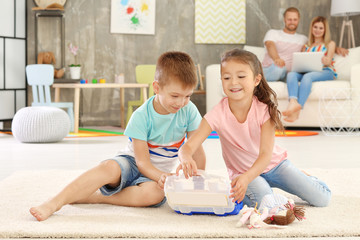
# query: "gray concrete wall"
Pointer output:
{"type": "Point", "coordinates": [102, 54]}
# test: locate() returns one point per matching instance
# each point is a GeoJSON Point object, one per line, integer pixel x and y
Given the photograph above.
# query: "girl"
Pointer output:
{"type": "Point", "coordinates": [319, 41]}
{"type": "Point", "coordinates": [246, 121]}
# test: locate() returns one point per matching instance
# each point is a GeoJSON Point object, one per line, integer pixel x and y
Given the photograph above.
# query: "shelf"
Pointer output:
{"type": "Point", "coordinates": [53, 14]}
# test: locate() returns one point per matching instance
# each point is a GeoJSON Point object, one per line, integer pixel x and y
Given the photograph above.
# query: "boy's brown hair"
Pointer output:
{"type": "Point", "coordinates": [178, 65]}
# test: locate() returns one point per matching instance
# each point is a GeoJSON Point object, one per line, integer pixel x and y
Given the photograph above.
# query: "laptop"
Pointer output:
{"type": "Point", "coordinates": [307, 62]}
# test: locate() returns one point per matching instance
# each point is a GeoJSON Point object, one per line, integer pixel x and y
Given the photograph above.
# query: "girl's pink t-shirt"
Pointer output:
{"type": "Point", "coordinates": [240, 142]}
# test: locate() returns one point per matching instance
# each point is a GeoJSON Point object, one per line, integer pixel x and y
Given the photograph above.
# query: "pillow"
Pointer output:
{"type": "Point", "coordinates": [343, 64]}
{"type": "Point", "coordinates": [258, 51]}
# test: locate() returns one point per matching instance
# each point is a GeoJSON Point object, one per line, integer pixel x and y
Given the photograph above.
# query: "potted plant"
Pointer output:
{"type": "Point", "coordinates": [75, 68]}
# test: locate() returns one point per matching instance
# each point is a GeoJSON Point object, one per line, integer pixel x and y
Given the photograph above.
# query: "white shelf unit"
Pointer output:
{"type": "Point", "coordinates": [13, 37]}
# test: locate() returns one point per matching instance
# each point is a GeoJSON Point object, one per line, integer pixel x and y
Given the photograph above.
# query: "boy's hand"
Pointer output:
{"type": "Point", "coordinates": [189, 168]}
{"type": "Point", "coordinates": [238, 188]}
{"type": "Point", "coordinates": [162, 179]}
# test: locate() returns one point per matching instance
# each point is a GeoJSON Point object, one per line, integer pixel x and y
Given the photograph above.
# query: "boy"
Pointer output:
{"type": "Point", "coordinates": [156, 130]}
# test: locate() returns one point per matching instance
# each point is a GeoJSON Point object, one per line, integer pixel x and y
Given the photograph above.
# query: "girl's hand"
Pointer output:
{"type": "Point", "coordinates": [189, 168]}
{"type": "Point", "coordinates": [326, 61]}
{"type": "Point", "coordinates": [162, 179]}
{"type": "Point", "coordinates": [238, 188]}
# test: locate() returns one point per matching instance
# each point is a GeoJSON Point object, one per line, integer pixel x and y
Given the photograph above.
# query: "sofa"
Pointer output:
{"type": "Point", "coordinates": [334, 104]}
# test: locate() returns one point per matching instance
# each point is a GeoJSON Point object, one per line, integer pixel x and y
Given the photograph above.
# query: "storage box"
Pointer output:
{"type": "Point", "coordinates": [202, 194]}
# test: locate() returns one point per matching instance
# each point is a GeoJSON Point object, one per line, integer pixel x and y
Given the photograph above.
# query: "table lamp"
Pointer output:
{"type": "Point", "coordinates": [346, 8]}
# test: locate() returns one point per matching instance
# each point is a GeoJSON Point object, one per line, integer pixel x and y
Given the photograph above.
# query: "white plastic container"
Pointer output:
{"type": "Point", "coordinates": [203, 194]}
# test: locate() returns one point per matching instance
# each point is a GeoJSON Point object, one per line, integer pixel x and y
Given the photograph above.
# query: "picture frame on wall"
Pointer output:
{"type": "Point", "coordinates": [220, 22]}
{"type": "Point", "coordinates": [133, 17]}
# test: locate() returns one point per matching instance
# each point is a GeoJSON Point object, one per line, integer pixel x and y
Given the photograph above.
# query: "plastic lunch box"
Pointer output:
{"type": "Point", "coordinates": [202, 194]}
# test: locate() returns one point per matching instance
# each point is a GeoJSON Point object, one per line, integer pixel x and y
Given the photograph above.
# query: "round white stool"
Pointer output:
{"type": "Point", "coordinates": [40, 124]}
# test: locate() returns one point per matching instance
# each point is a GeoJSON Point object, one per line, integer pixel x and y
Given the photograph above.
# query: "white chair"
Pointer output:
{"type": "Point", "coordinates": [40, 77]}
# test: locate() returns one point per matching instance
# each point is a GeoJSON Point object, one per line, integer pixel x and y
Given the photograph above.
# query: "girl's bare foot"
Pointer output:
{"type": "Point", "coordinates": [43, 211]}
{"type": "Point", "coordinates": [293, 117]}
{"type": "Point", "coordinates": [293, 107]}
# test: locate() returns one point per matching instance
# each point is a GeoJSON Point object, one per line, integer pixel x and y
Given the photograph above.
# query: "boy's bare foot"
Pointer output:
{"type": "Point", "coordinates": [43, 211]}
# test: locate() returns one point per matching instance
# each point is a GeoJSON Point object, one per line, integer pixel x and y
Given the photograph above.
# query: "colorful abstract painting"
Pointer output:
{"type": "Point", "coordinates": [220, 21]}
{"type": "Point", "coordinates": [133, 16]}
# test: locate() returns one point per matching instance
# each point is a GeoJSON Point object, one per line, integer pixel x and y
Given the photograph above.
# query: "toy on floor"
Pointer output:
{"type": "Point", "coordinates": [275, 211]}
{"type": "Point", "coordinates": [252, 218]}
{"type": "Point", "coordinates": [287, 216]}
{"type": "Point", "coordinates": [202, 194]}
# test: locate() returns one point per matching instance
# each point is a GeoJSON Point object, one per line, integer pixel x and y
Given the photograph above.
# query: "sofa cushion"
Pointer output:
{"type": "Point", "coordinates": [258, 51]}
{"type": "Point", "coordinates": [343, 64]}
{"type": "Point", "coordinates": [280, 89]}
{"type": "Point", "coordinates": [319, 90]}
{"type": "Point", "coordinates": [325, 90]}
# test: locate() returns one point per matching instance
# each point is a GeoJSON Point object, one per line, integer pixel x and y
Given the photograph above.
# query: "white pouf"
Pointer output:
{"type": "Point", "coordinates": [40, 124]}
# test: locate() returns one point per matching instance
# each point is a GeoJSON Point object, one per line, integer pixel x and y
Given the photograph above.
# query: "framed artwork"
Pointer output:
{"type": "Point", "coordinates": [218, 22]}
{"type": "Point", "coordinates": [133, 16]}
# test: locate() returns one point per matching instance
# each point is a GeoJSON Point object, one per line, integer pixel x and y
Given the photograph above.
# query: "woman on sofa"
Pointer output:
{"type": "Point", "coordinates": [319, 41]}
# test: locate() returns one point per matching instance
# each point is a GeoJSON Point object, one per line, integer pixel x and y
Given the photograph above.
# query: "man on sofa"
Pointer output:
{"type": "Point", "coordinates": [281, 44]}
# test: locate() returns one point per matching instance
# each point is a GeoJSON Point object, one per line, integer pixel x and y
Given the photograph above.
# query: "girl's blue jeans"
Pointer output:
{"type": "Point", "coordinates": [301, 92]}
{"type": "Point", "coordinates": [287, 177]}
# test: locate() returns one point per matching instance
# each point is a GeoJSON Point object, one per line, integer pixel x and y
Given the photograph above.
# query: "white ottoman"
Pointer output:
{"type": "Point", "coordinates": [40, 124]}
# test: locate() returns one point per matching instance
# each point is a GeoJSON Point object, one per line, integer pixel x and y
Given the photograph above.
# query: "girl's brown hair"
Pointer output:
{"type": "Point", "coordinates": [327, 35]}
{"type": "Point", "coordinates": [263, 92]}
{"type": "Point", "coordinates": [178, 65]}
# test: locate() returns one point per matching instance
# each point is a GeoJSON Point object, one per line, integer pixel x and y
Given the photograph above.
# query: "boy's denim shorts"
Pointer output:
{"type": "Point", "coordinates": [130, 176]}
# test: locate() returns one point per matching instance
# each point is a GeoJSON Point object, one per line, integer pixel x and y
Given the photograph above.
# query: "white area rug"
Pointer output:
{"type": "Point", "coordinates": [25, 189]}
